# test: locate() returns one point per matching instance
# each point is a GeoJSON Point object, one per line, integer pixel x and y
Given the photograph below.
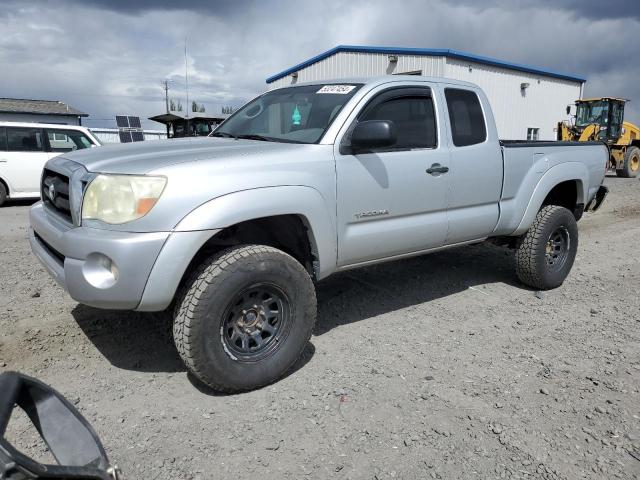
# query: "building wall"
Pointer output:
{"type": "Point", "coordinates": [355, 64]}
{"type": "Point", "coordinates": [27, 117]}
{"type": "Point", "coordinates": [541, 105]}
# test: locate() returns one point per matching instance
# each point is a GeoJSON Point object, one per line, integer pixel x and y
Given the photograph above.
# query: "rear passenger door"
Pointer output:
{"type": "Point", "coordinates": [476, 166]}
{"type": "Point", "coordinates": [24, 160]}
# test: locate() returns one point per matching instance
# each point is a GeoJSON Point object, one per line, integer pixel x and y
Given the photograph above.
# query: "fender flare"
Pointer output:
{"type": "Point", "coordinates": [245, 205]}
{"type": "Point", "coordinates": [569, 171]}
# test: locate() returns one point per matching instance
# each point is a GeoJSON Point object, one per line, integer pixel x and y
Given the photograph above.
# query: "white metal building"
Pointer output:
{"type": "Point", "coordinates": [527, 101]}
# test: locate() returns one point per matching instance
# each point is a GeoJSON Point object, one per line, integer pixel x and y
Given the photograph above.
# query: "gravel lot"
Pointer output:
{"type": "Point", "coordinates": [436, 367]}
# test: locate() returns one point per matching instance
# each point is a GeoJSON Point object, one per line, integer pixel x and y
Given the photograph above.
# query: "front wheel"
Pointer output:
{"type": "Point", "coordinates": [3, 194]}
{"type": "Point", "coordinates": [631, 164]}
{"type": "Point", "coordinates": [246, 317]}
{"type": "Point", "coordinates": [545, 254]}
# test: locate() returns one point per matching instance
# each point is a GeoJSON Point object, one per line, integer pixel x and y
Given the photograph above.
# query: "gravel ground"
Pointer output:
{"type": "Point", "coordinates": [436, 367]}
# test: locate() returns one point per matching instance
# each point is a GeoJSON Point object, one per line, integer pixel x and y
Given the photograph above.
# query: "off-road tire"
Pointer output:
{"type": "Point", "coordinates": [532, 263]}
{"type": "Point", "coordinates": [206, 299]}
{"type": "Point", "coordinates": [3, 194]}
{"type": "Point", "coordinates": [630, 164]}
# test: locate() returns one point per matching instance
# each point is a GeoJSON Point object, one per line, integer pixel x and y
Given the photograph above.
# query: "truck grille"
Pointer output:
{"type": "Point", "coordinates": [55, 193]}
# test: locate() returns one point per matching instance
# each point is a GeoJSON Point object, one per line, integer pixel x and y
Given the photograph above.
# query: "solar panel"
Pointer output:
{"type": "Point", "coordinates": [137, 136]}
{"type": "Point", "coordinates": [122, 121]}
{"type": "Point", "coordinates": [134, 122]}
{"type": "Point", "coordinates": [129, 128]}
{"type": "Point", "coordinates": [125, 136]}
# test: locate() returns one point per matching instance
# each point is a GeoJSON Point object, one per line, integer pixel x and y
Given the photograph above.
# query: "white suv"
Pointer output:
{"type": "Point", "coordinates": [26, 147]}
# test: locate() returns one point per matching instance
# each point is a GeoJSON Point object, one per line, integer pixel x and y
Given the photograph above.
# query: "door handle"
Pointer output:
{"type": "Point", "coordinates": [437, 169]}
{"type": "Point", "coordinates": [2, 160]}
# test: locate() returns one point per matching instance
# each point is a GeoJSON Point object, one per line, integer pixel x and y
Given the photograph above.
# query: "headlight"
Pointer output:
{"type": "Point", "coordinates": [121, 198]}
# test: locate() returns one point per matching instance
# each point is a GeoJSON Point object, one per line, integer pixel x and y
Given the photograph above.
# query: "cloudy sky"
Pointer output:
{"type": "Point", "coordinates": [110, 57]}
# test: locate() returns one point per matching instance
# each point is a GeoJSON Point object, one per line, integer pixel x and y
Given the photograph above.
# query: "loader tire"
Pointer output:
{"type": "Point", "coordinates": [245, 318]}
{"type": "Point", "coordinates": [631, 163]}
{"type": "Point", "coordinates": [545, 254]}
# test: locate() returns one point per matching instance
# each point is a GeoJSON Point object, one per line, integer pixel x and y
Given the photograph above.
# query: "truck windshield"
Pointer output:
{"type": "Point", "coordinates": [594, 112]}
{"type": "Point", "coordinates": [293, 114]}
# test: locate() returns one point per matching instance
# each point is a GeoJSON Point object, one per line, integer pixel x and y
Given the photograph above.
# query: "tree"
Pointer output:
{"type": "Point", "coordinates": [228, 110]}
{"type": "Point", "coordinates": [175, 105]}
{"type": "Point", "coordinates": [197, 108]}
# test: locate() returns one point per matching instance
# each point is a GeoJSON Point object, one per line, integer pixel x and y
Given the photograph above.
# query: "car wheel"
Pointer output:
{"type": "Point", "coordinates": [245, 318]}
{"type": "Point", "coordinates": [3, 194]}
{"type": "Point", "coordinates": [631, 164]}
{"type": "Point", "coordinates": [545, 254]}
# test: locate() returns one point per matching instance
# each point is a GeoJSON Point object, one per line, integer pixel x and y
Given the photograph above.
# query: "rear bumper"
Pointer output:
{"type": "Point", "coordinates": [100, 268]}
{"type": "Point", "coordinates": [598, 199]}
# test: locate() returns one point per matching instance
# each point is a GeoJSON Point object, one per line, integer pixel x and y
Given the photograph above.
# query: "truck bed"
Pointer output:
{"type": "Point", "coordinates": [529, 163]}
{"type": "Point", "coordinates": [543, 143]}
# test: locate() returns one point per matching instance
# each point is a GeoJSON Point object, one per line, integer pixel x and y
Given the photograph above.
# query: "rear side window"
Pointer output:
{"type": "Point", "coordinates": [24, 139]}
{"type": "Point", "coordinates": [465, 115]}
{"type": "Point", "coordinates": [67, 140]}
{"type": "Point", "coordinates": [414, 118]}
{"type": "Point", "coordinates": [3, 139]}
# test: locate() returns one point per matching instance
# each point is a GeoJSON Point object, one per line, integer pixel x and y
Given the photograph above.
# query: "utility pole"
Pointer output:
{"type": "Point", "coordinates": [186, 83]}
{"type": "Point", "coordinates": [165, 87]}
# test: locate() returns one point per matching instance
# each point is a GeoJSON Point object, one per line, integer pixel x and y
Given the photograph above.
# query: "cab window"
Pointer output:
{"type": "Point", "coordinates": [3, 139]}
{"type": "Point", "coordinates": [24, 139]}
{"type": "Point", "coordinates": [412, 111]}
{"type": "Point", "coordinates": [67, 140]}
{"type": "Point", "coordinates": [414, 118]}
{"type": "Point", "coordinates": [466, 117]}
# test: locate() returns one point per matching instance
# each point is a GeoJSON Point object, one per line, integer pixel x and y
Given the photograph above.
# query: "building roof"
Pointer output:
{"type": "Point", "coordinates": [173, 116]}
{"type": "Point", "coordinates": [434, 52]}
{"type": "Point", "coordinates": [38, 107]}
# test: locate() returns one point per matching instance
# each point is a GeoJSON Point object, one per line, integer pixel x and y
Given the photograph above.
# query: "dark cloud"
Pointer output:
{"type": "Point", "coordinates": [592, 9]}
{"type": "Point", "coordinates": [109, 57]}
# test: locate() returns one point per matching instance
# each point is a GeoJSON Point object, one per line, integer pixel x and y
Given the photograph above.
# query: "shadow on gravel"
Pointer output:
{"type": "Point", "coordinates": [21, 202]}
{"type": "Point", "coordinates": [143, 342]}
{"type": "Point", "coordinates": [136, 341]}
{"type": "Point", "coordinates": [364, 293]}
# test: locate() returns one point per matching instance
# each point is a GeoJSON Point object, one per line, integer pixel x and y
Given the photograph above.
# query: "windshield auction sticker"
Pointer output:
{"type": "Point", "coordinates": [339, 89]}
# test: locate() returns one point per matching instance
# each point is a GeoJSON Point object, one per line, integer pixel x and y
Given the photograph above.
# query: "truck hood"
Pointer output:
{"type": "Point", "coordinates": [144, 157]}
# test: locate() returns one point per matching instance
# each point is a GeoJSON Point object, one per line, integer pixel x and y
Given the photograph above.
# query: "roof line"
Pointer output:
{"type": "Point", "coordinates": [62, 114]}
{"type": "Point", "coordinates": [436, 52]}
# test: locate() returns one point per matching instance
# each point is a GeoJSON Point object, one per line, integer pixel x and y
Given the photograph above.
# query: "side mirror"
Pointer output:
{"type": "Point", "coordinates": [568, 109]}
{"type": "Point", "coordinates": [72, 442]}
{"type": "Point", "coordinates": [372, 134]}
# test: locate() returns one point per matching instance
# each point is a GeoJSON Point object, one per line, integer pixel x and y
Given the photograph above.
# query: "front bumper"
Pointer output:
{"type": "Point", "coordinates": [100, 268]}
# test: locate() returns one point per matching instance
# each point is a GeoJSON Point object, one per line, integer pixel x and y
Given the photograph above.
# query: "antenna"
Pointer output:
{"type": "Point", "coordinates": [186, 83]}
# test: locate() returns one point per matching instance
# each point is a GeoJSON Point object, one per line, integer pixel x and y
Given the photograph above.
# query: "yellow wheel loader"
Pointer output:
{"type": "Point", "coordinates": [602, 119]}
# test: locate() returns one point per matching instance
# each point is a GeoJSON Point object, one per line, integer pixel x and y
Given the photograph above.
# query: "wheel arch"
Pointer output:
{"type": "Point", "coordinates": [564, 185]}
{"type": "Point", "coordinates": [294, 219]}
{"type": "Point", "coordinates": [6, 186]}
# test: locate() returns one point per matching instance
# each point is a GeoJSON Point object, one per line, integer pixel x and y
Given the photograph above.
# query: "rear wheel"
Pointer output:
{"type": "Point", "coordinates": [546, 252]}
{"type": "Point", "coordinates": [631, 163]}
{"type": "Point", "coordinates": [3, 194]}
{"type": "Point", "coordinates": [246, 317]}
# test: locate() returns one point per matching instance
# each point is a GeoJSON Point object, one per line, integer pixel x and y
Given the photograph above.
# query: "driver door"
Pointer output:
{"type": "Point", "coordinates": [388, 205]}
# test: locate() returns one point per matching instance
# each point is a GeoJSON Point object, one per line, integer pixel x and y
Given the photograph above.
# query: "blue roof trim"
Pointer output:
{"type": "Point", "coordinates": [437, 52]}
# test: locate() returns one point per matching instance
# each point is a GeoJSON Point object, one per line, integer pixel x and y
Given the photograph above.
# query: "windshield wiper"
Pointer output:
{"type": "Point", "coordinates": [256, 137]}
{"type": "Point", "coordinates": [223, 135]}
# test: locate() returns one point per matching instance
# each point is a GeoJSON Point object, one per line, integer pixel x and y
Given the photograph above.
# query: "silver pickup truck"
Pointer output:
{"type": "Point", "coordinates": [231, 231]}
